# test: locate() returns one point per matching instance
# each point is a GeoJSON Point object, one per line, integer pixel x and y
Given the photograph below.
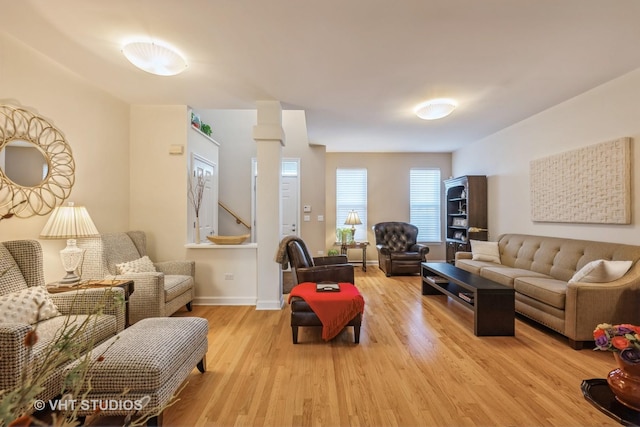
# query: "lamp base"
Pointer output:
{"type": "Point", "coordinates": [71, 257]}
{"type": "Point", "coordinates": [70, 279]}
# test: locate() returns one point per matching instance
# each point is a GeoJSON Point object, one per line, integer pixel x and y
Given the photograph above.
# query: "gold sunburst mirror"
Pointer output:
{"type": "Point", "coordinates": [36, 164]}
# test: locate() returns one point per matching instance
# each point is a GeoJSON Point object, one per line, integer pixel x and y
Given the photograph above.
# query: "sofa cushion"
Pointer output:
{"type": "Point", "coordinates": [506, 275]}
{"type": "Point", "coordinates": [473, 266]}
{"type": "Point", "coordinates": [549, 291]}
{"type": "Point", "coordinates": [175, 285]}
{"type": "Point", "coordinates": [22, 306]}
{"type": "Point", "coordinates": [601, 271]}
{"type": "Point", "coordinates": [118, 248]}
{"type": "Point", "coordinates": [89, 330]}
{"type": "Point", "coordinates": [141, 265]}
{"type": "Point", "coordinates": [11, 278]}
{"type": "Point", "coordinates": [485, 251]}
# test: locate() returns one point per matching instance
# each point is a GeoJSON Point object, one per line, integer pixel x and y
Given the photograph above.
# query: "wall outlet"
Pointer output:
{"type": "Point", "coordinates": [320, 218]}
{"type": "Point", "coordinates": [307, 218]}
{"type": "Point", "coordinates": [228, 276]}
{"type": "Point", "coordinates": [320, 252]}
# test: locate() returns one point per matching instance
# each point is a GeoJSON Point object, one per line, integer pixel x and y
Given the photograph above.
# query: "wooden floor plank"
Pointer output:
{"type": "Point", "coordinates": [417, 364]}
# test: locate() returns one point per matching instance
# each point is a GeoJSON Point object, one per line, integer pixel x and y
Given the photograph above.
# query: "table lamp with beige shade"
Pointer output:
{"type": "Point", "coordinates": [70, 222]}
{"type": "Point", "coordinates": [353, 219]}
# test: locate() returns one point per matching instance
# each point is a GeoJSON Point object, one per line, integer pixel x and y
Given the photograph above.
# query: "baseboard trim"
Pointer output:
{"type": "Point", "coordinates": [224, 301]}
{"type": "Point", "coordinates": [270, 305]}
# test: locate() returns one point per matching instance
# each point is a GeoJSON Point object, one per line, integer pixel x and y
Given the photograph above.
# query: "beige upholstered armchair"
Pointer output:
{"type": "Point", "coordinates": [86, 318]}
{"type": "Point", "coordinates": [160, 288]}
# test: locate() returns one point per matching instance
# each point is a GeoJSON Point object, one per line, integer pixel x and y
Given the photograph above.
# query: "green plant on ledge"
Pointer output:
{"type": "Point", "coordinates": [206, 129]}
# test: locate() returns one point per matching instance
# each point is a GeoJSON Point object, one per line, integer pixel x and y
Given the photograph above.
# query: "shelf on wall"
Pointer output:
{"type": "Point", "coordinates": [204, 134]}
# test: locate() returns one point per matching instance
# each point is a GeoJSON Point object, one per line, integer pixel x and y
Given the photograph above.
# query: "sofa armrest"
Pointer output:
{"type": "Point", "coordinates": [181, 268]}
{"type": "Point", "coordinates": [148, 297]}
{"type": "Point", "coordinates": [589, 304]}
{"type": "Point", "coordinates": [109, 301]}
{"type": "Point", "coordinates": [384, 250]}
{"type": "Point", "coordinates": [422, 249]}
{"type": "Point", "coordinates": [463, 255]}
{"type": "Point", "coordinates": [14, 353]}
{"type": "Point", "coordinates": [329, 260]}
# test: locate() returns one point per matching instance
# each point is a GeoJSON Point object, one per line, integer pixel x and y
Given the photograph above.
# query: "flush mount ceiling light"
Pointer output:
{"type": "Point", "coordinates": [155, 58]}
{"type": "Point", "coordinates": [435, 108]}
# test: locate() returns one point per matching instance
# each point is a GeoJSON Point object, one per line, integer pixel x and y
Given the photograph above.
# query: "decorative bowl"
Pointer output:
{"type": "Point", "coordinates": [228, 240]}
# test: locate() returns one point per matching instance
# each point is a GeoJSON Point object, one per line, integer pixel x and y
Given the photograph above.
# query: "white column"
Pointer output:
{"type": "Point", "coordinates": [269, 137]}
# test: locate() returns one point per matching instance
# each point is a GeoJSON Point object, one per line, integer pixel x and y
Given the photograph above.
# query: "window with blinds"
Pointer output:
{"type": "Point", "coordinates": [351, 194]}
{"type": "Point", "coordinates": [424, 203]}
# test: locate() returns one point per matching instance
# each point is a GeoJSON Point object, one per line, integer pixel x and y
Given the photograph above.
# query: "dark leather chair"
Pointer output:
{"type": "Point", "coordinates": [305, 268]}
{"type": "Point", "coordinates": [398, 251]}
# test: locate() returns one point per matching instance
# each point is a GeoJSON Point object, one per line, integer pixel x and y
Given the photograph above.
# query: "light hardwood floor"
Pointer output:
{"type": "Point", "coordinates": [417, 364]}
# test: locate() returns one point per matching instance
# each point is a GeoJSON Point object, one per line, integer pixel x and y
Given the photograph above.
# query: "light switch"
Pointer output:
{"type": "Point", "coordinates": [307, 218]}
{"type": "Point", "coordinates": [306, 208]}
{"type": "Point", "coordinates": [320, 218]}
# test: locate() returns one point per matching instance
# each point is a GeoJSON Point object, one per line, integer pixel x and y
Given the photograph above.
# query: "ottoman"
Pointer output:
{"type": "Point", "coordinates": [323, 309]}
{"type": "Point", "coordinates": [151, 358]}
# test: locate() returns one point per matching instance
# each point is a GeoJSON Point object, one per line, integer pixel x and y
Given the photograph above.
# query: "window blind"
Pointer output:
{"type": "Point", "coordinates": [351, 194]}
{"type": "Point", "coordinates": [424, 203]}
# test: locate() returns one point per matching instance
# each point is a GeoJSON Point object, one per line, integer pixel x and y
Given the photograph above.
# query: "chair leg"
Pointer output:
{"type": "Point", "coordinates": [189, 308]}
{"type": "Point", "coordinates": [356, 334]}
{"type": "Point", "coordinates": [202, 365]}
{"type": "Point", "coordinates": [294, 332]}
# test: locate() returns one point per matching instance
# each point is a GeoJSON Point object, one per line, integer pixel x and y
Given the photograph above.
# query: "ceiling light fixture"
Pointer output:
{"type": "Point", "coordinates": [435, 108]}
{"type": "Point", "coordinates": [155, 58]}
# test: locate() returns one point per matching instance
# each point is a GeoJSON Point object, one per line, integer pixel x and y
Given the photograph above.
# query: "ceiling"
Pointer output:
{"type": "Point", "coordinates": [357, 67]}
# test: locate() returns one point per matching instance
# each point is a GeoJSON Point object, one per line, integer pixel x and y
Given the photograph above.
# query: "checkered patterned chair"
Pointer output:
{"type": "Point", "coordinates": [156, 294]}
{"type": "Point", "coordinates": [96, 314]}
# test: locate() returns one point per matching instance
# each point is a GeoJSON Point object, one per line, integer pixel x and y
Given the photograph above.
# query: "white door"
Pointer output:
{"type": "Point", "coordinates": [288, 198]}
{"type": "Point", "coordinates": [208, 214]}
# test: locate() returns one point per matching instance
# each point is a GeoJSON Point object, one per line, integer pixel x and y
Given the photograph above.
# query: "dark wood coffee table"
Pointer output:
{"type": "Point", "coordinates": [493, 304]}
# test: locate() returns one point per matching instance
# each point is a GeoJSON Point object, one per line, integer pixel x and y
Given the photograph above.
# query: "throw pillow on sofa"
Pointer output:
{"type": "Point", "coordinates": [485, 251]}
{"type": "Point", "coordinates": [22, 306]}
{"type": "Point", "coordinates": [601, 271]}
{"type": "Point", "coordinates": [142, 265]}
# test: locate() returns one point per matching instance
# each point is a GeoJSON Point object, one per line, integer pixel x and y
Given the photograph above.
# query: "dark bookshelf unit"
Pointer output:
{"type": "Point", "coordinates": [466, 199]}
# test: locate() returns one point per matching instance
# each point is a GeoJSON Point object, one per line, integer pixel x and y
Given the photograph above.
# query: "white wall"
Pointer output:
{"type": "Point", "coordinates": [602, 114]}
{"type": "Point", "coordinates": [387, 190]}
{"type": "Point", "coordinates": [159, 179]}
{"type": "Point", "coordinates": [96, 126]}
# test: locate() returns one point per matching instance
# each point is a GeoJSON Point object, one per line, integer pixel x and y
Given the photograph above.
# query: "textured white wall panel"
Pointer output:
{"type": "Point", "coordinates": [587, 185]}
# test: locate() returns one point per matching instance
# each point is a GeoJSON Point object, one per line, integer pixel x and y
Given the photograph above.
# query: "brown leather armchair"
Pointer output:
{"type": "Point", "coordinates": [305, 268]}
{"type": "Point", "coordinates": [398, 251]}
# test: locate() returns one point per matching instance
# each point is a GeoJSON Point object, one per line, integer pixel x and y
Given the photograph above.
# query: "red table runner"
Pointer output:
{"type": "Point", "coordinates": [334, 309]}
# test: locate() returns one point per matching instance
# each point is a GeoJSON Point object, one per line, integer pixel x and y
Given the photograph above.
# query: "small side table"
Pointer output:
{"type": "Point", "coordinates": [126, 285]}
{"type": "Point", "coordinates": [356, 245]}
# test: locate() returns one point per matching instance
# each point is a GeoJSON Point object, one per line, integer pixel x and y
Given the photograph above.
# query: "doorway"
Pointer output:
{"type": "Point", "coordinates": [289, 197]}
{"type": "Point", "coordinates": [208, 215]}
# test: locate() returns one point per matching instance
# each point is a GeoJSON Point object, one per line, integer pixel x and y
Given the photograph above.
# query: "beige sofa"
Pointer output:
{"type": "Point", "coordinates": [539, 269]}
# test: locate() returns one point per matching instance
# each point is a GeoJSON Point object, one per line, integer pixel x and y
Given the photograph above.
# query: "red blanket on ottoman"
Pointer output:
{"type": "Point", "coordinates": [334, 309]}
